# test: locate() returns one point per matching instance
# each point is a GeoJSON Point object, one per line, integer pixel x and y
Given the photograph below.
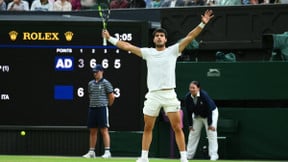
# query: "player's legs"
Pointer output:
{"type": "Point", "coordinates": [171, 106]}
{"type": "Point", "coordinates": [151, 111]}
{"type": "Point", "coordinates": [149, 122]}
{"type": "Point", "coordinates": [175, 121]}
{"type": "Point", "coordinates": [194, 137]}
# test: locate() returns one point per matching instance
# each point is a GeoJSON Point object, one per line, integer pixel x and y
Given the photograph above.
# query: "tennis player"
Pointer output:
{"type": "Point", "coordinates": [161, 64]}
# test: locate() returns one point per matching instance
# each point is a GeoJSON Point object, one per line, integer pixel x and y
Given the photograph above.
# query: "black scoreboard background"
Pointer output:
{"type": "Point", "coordinates": [45, 67]}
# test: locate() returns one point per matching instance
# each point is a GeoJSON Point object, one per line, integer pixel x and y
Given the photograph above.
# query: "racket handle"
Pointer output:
{"type": "Point", "coordinates": [104, 42]}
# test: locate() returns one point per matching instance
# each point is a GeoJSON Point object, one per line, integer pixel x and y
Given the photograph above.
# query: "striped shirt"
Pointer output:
{"type": "Point", "coordinates": [98, 92]}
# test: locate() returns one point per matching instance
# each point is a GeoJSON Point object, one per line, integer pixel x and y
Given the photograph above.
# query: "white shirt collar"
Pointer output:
{"type": "Point", "coordinates": [197, 95]}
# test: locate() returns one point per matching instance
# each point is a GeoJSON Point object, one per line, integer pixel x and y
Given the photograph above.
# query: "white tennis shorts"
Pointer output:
{"type": "Point", "coordinates": [155, 100]}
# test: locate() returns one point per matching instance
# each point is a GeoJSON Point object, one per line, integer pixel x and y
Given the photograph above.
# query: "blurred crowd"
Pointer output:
{"type": "Point", "coordinates": [76, 5]}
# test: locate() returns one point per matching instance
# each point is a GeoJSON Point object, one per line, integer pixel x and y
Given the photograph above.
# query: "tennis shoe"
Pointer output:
{"type": "Point", "coordinates": [106, 155]}
{"type": "Point", "coordinates": [183, 160]}
{"type": "Point", "coordinates": [189, 157]}
{"type": "Point", "coordinates": [214, 158]}
{"type": "Point", "coordinates": [90, 154]}
{"type": "Point", "coordinates": [142, 160]}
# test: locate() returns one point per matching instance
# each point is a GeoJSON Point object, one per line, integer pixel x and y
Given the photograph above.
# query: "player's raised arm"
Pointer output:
{"type": "Point", "coordinates": [121, 44]}
{"type": "Point", "coordinates": [197, 30]}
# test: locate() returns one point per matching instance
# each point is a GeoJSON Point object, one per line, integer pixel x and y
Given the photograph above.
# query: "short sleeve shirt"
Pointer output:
{"type": "Point", "coordinates": [98, 92]}
{"type": "Point", "coordinates": [161, 67]}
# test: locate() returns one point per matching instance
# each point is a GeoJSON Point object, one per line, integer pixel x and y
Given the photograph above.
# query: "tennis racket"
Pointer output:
{"type": "Point", "coordinates": [104, 13]}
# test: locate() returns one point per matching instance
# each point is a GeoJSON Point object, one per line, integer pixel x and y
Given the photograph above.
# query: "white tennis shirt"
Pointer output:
{"type": "Point", "coordinates": [161, 67]}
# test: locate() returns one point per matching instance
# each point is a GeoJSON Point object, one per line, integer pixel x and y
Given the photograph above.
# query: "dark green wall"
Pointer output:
{"type": "Point", "coordinates": [261, 133]}
{"type": "Point", "coordinates": [235, 80]}
{"type": "Point", "coordinates": [244, 133]}
{"type": "Point", "coordinates": [251, 132]}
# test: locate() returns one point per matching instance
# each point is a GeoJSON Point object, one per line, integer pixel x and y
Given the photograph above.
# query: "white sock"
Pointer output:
{"type": "Point", "coordinates": [183, 154]}
{"type": "Point", "coordinates": [144, 154]}
{"type": "Point", "coordinates": [107, 149]}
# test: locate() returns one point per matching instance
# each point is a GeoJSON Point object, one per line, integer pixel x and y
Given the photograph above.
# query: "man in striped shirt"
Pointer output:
{"type": "Point", "coordinates": [101, 96]}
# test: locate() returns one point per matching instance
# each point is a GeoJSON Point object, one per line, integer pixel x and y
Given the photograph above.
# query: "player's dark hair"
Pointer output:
{"type": "Point", "coordinates": [160, 30]}
{"type": "Point", "coordinates": [195, 82]}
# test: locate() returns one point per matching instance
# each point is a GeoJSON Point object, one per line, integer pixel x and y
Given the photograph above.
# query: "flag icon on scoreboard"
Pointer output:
{"type": "Point", "coordinates": [63, 92]}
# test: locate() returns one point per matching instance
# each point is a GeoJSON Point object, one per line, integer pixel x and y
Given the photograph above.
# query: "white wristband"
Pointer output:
{"type": "Point", "coordinates": [202, 25]}
{"type": "Point", "coordinates": [113, 40]}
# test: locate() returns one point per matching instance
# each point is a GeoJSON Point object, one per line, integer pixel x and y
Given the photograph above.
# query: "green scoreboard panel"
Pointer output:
{"type": "Point", "coordinates": [45, 67]}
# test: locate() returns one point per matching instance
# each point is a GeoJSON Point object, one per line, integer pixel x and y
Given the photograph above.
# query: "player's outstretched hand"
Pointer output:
{"type": "Point", "coordinates": [207, 16]}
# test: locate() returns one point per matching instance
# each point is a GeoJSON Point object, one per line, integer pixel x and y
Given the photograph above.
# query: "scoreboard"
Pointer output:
{"type": "Point", "coordinates": [46, 64]}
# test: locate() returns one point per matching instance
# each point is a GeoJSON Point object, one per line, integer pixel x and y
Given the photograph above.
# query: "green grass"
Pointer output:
{"type": "Point", "coordinates": [30, 158]}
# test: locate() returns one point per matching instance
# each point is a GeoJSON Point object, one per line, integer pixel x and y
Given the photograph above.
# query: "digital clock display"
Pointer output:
{"type": "Point", "coordinates": [47, 66]}
{"type": "Point", "coordinates": [124, 36]}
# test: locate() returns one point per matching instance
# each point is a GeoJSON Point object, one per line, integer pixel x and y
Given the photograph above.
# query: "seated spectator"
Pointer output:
{"type": "Point", "coordinates": [41, 5]}
{"type": "Point", "coordinates": [62, 5]}
{"type": "Point", "coordinates": [245, 2]}
{"type": "Point", "coordinates": [76, 5]}
{"type": "Point", "coordinates": [194, 2]}
{"type": "Point", "coordinates": [173, 3]}
{"type": "Point", "coordinates": [88, 4]}
{"type": "Point", "coordinates": [2, 5]}
{"type": "Point", "coordinates": [156, 3]}
{"type": "Point", "coordinates": [115, 4]}
{"type": "Point", "coordinates": [229, 2]}
{"type": "Point", "coordinates": [137, 4]}
{"type": "Point", "coordinates": [210, 2]}
{"type": "Point", "coordinates": [263, 1]}
{"type": "Point", "coordinates": [281, 1]}
{"type": "Point", "coordinates": [254, 2]}
{"type": "Point", "coordinates": [18, 5]}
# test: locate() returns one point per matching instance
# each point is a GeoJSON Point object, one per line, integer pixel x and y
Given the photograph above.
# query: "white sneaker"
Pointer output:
{"type": "Point", "coordinates": [142, 160]}
{"type": "Point", "coordinates": [183, 160]}
{"type": "Point", "coordinates": [214, 158]}
{"type": "Point", "coordinates": [189, 157]}
{"type": "Point", "coordinates": [106, 155]}
{"type": "Point", "coordinates": [90, 154]}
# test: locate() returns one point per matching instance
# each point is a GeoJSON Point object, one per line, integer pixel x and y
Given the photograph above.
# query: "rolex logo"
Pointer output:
{"type": "Point", "coordinates": [68, 35]}
{"type": "Point", "coordinates": [13, 35]}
